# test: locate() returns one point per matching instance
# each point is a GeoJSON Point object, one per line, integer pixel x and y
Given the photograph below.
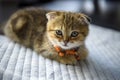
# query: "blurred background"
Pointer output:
{"type": "Point", "coordinates": [105, 13]}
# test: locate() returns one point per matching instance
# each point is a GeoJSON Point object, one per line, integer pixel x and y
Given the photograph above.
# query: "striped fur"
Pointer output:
{"type": "Point", "coordinates": [35, 28]}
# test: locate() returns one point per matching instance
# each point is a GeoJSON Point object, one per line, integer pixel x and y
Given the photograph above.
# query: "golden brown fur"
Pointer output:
{"type": "Point", "coordinates": [35, 28]}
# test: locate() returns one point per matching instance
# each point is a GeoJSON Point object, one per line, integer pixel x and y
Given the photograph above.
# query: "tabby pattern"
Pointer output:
{"type": "Point", "coordinates": [41, 30]}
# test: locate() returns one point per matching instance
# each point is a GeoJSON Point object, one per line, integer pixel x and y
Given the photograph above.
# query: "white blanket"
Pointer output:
{"type": "Point", "coordinates": [103, 62]}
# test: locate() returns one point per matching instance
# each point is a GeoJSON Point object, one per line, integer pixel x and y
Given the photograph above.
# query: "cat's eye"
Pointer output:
{"type": "Point", "coordinates": [59, 32]}
{"type": "Point", "coordinates": [74, 34]}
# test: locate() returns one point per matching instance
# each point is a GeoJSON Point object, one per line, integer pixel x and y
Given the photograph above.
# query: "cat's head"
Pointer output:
{"type": "Point", "coordinates": [66, 29]}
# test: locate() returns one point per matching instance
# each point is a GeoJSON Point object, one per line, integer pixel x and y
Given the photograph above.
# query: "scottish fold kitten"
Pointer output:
{"type": "Point", "coordinates": [56, 35]}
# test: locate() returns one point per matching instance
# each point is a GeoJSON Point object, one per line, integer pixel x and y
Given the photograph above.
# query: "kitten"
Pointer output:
{"type": "Point", "coordinates": [42, 30]}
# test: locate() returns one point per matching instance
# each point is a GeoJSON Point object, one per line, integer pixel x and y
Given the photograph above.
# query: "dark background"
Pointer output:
{"type": "Point", "coordinates": [105, 13]}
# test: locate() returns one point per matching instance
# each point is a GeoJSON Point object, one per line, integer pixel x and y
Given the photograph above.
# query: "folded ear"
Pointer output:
{"type": "Point", "coordinates": [85, 18]}
{"type": "Point", "coordinates": [88, 18]}
{"type": "Point", "coordinates": [51, 15]}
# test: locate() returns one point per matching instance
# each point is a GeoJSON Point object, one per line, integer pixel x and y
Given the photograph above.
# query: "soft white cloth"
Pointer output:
{"type": "Point", "coordinates": [103, 62]}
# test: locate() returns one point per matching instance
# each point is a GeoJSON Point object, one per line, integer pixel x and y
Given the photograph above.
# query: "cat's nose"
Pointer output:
{"type": "Point", "coordinates": [65, 43]}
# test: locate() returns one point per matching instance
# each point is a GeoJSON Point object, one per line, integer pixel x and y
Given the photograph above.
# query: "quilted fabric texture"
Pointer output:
{"type": "Point", "coordinates": [103, 62]}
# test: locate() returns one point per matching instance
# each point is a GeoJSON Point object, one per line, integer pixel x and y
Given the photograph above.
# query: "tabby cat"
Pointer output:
{"type": "Point", "coordinates": [43, 30]}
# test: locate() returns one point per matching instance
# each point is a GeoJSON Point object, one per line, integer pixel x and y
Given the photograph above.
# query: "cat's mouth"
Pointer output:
{"type": "Point", "coordinates": [65, 45]}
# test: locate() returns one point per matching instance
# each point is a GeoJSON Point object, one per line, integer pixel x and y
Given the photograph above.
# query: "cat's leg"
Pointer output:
{"type": "Point", "coordinates": [67, 59]}
{"type": "Point", "coordinates": [17, 28]}
{"type": "Point", "coordinates": [82, 52]}
{"type": "Point", "coordinates": [53, 55]}
{"type": "Point", "coordinates": [19, 22]}
{"type": "Point", "coordinates": [16, 22]}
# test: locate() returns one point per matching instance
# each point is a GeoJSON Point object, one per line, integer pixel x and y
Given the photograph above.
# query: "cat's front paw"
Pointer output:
{"type": "Point", "coordinates": [67, 60]}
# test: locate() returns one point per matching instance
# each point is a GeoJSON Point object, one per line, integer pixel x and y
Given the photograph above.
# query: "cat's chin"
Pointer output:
{"type": "Point", "coordinates": [67, 47]}
{"type": "Point", "coordinates": [70, 46]}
